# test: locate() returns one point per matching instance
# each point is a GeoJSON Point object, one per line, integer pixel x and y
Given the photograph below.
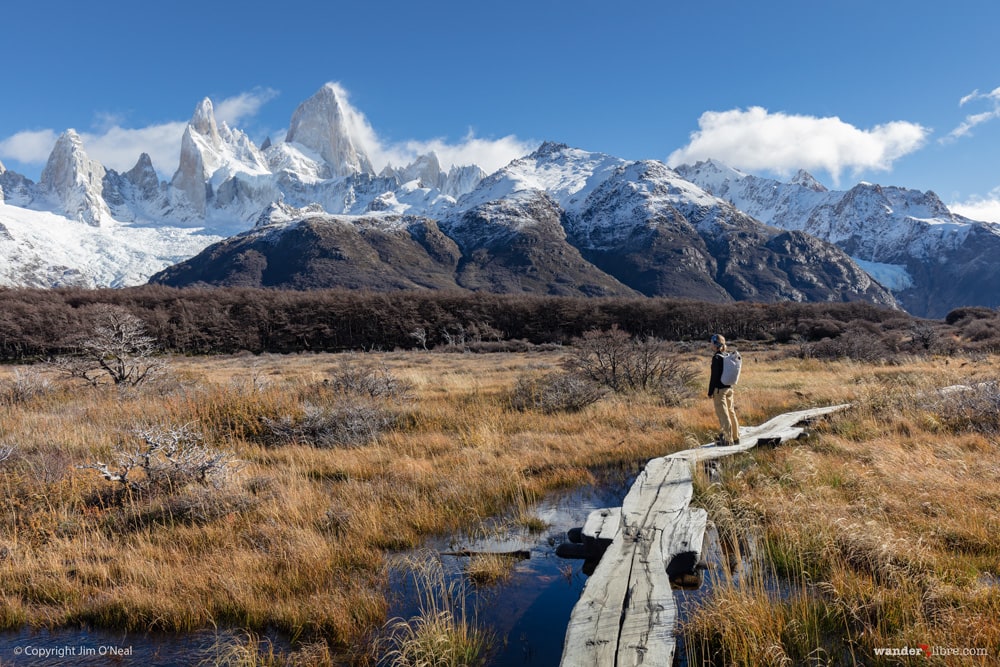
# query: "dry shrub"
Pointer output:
{"type": "Point", "coordinates": [855, 344]}
{"type": "Point", "coordinates": [168, 459]}
{"type": "Point", "coordinates": [373, 381]}
{"type": "Point", "coordinates": [353, 407]}
{"type": "Point", "coordinates": [627, 364]}
{"type": "Point", "coordinates": [558, 392]}
{"type": "Point", "coordinates": [349, 422]}
{"type": "Point", "coordinates": [974, 409]}
{"type": "Point", "coordinates": [25, 386]}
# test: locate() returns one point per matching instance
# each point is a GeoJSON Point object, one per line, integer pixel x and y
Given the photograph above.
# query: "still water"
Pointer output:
{"type": "Point", "coordinates": [528, 613]}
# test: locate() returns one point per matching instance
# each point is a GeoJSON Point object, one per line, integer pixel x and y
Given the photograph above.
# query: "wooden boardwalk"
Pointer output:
{"type": "Point", "coordinates": [626, 614]}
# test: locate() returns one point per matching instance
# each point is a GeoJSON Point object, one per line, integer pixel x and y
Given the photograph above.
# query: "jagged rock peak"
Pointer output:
{"type": "Point", "coordinates": [426, 169]}
{"type": "Point", "coordinates": [144, 176]}
{"type": "Point", "coordinates": [2, 168]}
{"type": "Point", "coordinates": [203, 120]}
{"type": "Point", "coordinates": [328, 125]}
{"type": "Point", "coordinates": [75, 180]}
{"type": "Point", "coordinates": [806, 180]}
{"type": "Point", "coordinates": [548, 149]}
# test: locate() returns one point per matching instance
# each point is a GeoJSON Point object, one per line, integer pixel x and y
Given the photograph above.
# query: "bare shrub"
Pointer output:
{"type": "Point", "coordinates": [558, 392]}
{"type": "Point", "coordinates": [854, 344]}
{"type": "Point", "coordinates": [7, 452]}
{"type": "Point", "coordinates": [626, 364]}
{"type": "Point", "coordinates": [371, 381]}
{"type": "Point", "coordinates": [167, 460]}
{"type": "Point", "coordinates": [23, 387]}
{"type": "Point", "coordinates": [974, 409]}
{"type": "Point", "coordinates": [349, 422]}
{"type": "Point", "coordinates": [349, 409]}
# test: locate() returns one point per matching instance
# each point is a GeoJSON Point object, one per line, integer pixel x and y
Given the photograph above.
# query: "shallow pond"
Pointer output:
{"type": "Point", "coordinates": [528, 613]}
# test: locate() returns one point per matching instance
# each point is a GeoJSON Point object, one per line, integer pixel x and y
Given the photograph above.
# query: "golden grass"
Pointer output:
{"type": "Point", "coordinates": [883, 529]}
{"type": "Point", "coordinates": [299, 538]}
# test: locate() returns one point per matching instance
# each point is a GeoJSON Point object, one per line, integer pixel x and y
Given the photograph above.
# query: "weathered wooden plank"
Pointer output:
{"type": "Point", "coordinates": [646, 634]}
{"type": "Point", "coordinates": [592, 634]}
{"type": "Point", "coordinates": [626, 613]}
{"type": "Point", "coordinates": [682, 541]}
{"type": "Point", "coordinates": [603, 524]}
{"type": "Point", "coordinates": [661, 490]}
{"type": "Point", "coordinates": [684, 536]}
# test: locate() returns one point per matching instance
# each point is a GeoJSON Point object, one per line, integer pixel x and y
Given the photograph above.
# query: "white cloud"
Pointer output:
{"type": "Point", "coordinates": [972, 120]}
{"type": "Point", "coordinates": [986, 209]}
{"type": "Point", "coordinates": [755, 139]}
{"type": "Point", "coordinates": [490, 154]}
{"type": "Point", "coordinates": [233, 110]}
{"type": "Point", "coordinates": [32, 147]}
{"type": "Point", "coordinates": [119, 148]}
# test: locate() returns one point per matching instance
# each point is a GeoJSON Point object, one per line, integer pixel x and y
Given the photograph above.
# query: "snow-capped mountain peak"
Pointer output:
{"type": "Point", "coordinates": [806, 180]}
{"type": "Point", "coordinates": [203, 121]}
{"type": "Point", "coordinates": [75, 181]}
{"type": "Point", "coordinates": [329, 127]}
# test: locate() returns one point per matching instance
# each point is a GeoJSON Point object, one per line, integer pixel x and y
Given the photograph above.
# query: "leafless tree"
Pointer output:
{"type": "Point", "coordinates": [117, 349]}
{"type": "Point", "coordinates": [420, 335]}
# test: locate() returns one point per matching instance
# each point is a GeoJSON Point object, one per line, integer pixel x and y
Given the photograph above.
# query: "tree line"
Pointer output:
{"type": "Point", "coordinates": [38, 323]}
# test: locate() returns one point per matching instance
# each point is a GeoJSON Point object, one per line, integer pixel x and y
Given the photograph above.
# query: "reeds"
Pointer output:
{"type": "Point", "coordinates": [879, 531]}
{"type": "Point", "coordinates": [445, 632]}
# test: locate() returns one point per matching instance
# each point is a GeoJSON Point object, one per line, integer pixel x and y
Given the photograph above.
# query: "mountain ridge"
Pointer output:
{"type": "Point", "coordinates": [559, 220]}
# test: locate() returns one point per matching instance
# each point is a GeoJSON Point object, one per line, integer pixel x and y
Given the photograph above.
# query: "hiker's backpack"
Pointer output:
{"type": "Point", "coordinates": [732, 362]}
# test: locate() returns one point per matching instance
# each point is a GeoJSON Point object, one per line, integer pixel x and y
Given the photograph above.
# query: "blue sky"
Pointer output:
{"type": "Point", "coordinates": [895, 92]}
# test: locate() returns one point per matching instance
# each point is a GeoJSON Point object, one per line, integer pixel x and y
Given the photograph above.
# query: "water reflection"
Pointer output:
{"type": "Point", "coordinates": [528, 612]}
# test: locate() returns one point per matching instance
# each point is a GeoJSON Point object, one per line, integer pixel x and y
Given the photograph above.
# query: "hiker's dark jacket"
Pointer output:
{"type": "Point", "coordinates": [715, 380]}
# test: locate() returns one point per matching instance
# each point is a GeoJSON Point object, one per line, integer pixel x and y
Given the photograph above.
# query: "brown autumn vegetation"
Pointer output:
{"type": "Point", "coordinates": [38, 323]}
{"type": "Point", "coordinates": [325, 464]}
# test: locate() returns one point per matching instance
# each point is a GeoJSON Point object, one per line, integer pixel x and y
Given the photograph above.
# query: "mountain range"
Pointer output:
{"type": "Point", "coordinates": [310, 211]}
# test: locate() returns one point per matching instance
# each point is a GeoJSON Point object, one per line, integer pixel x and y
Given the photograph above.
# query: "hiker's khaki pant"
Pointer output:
{"type": "Point", "coordinates": [723, 399]}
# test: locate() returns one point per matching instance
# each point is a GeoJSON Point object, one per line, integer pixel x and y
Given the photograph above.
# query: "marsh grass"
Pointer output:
{"type": "Point", "coordinates": [879, 531]}
{"type": "Point", "coordinates": [249, 649]}
{"type": "Point", "coordinates": [445, 632]}
{"type": "Point", "coordinates": [889, 513]}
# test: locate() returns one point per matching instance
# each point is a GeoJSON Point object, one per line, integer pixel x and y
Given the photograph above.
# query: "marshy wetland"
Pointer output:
{"type": "Point", "coordinates": [292, 509]}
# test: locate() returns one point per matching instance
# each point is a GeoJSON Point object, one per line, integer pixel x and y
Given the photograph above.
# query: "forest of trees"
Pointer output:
{"type": "Point", "coordinates": [38, 323]}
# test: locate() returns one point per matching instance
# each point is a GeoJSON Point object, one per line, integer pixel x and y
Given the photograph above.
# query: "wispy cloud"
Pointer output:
{"type": "Point", "coordinates": [234, 110]}
{"type": "Point", "coordinates": [756, 139]}
{"type": "Point", "coordinates": [986, 209]}
{"type": "Point", "coordinates": [490, 154]}
{"type": "Point", "coordinates": [972, 120]}
{"type": "Point", "coordinates": [30, 146]}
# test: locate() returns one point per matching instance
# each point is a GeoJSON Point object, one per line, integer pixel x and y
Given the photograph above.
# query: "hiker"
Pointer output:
{"type": "Point", "coordinates": [722, 395]}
